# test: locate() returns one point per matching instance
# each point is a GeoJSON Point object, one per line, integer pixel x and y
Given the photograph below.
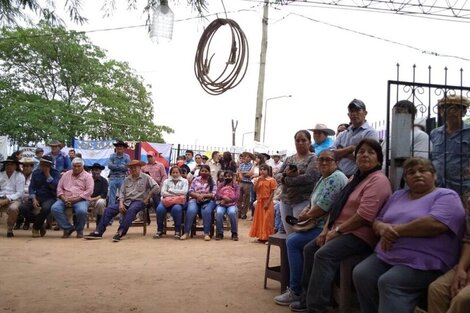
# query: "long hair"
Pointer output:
{"type": "Point", "coordinates": [210, 181]}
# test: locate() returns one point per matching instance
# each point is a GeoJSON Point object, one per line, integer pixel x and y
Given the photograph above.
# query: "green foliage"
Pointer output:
{"type": "Point", "coordinates": [56, 84]}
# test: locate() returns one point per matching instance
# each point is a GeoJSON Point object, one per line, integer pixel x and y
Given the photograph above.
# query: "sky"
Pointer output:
{"type": "Point", "coordinates": [321, 66]}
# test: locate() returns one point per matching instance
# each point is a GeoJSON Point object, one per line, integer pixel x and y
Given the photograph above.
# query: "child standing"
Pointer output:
{"type": "Point", "coordinates": [263, 221]}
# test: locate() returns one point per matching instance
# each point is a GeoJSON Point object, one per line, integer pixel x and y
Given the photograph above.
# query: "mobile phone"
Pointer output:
{"type": "Point", "coordinates": [292, 167]}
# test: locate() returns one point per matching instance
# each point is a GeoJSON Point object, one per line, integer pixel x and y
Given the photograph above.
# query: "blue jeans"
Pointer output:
{"type": "Point", "coordinates": [156, 201]}
{"type": "Point", "coordinates": [385, 288]}
{"type": "Point", "coordinates": [81, 214]}
{"type": "Point", "coordinates": [296, 242]}
{"type": "Point", "coordinates": [278, 225]}
{"type": "Point", "coordinates": [292, 210]}
{"type": "Point", "coordinates": [193, 209]}
{"type": "Point", "coordinates": [321, 265]}
{"type": "Point", "coordinates": [111, 211]}
{"type": "Point", "coordinates": [176, 212]}
{"type": "Point", "coordinates": [115, 183]}
{"type": "Point", "coordinates": [232, 215]}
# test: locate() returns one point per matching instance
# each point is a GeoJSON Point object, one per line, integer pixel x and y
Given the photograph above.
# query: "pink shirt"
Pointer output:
{"type": "Point", "coordinates": [366, 200]}
{"type": "Point", "coordinates": [75, 186]}
{"type": "Point", "coordinates": [156, 171]}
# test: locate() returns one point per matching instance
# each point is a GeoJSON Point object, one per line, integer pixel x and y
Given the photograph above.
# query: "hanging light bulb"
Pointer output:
{"type": "Point", "coordinates": [163, 18]}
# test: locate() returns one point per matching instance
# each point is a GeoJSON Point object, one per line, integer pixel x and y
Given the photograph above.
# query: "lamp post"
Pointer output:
{"type": "Point", "coordinates": [266, 112]}
{"type": "Point", "coordinates": [243, 137]}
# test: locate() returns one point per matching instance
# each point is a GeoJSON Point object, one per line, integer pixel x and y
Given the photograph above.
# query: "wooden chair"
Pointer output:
{"type": "Point", "coordinates": [144, 222]}
{"type": "Point", "coordinates": [196, 227]}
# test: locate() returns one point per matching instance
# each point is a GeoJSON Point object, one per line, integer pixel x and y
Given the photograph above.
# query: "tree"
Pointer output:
{"type": "Point", "coordinates": [56, 84]}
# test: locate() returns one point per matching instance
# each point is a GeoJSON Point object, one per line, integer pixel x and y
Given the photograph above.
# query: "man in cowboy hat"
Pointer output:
{"type": "Point", "coordinates": [11, 190]}
{"type": "Point", "coordinates": [134, 195]}
{"type": "Point", "coordinates": [61, 160]}
{"type": "Point", "coordinates": [276, 162]}
{"type": "Point", "coordinates": [117, 164]}
{"type": "Point", "coordinates": [157, 171]}
{"type": "Point", "coordinates": [43, 194]}
{"type": "Point", "coordinates": [73, 191]}
{"type": "Point", "coordinates": [100, 191]}
{"type": "Point", "coordinates": [27, 165]}
{"type": "Point", "coordinates": [321, 141]}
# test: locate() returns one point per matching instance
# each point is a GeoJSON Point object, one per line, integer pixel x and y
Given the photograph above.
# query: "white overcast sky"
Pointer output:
{"type": "Point", "coordinates": [321, 66]}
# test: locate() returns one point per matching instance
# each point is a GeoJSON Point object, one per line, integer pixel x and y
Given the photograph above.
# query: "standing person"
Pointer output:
{"type": "Point", "coordinates": [71, 154]}
{"type": "Point", "coordinates": [263, 220]}
{"type": "Point", "coordinates": [246, 184]}
{"type": "Point", "coordinates": [100, 191]}
{"type": "Point", "coordinates": [348, 230]}
{"type": "Point", "coordinates": [214, 164]}
{"type": "Point", "coordinates": [61, 160]}
{"type": "Point", "coordinates": [227, 196]}
{"type": "Point", "coordinates": [43, 194]}
{"type": "Point", "coordinates": [198, 160]}
{"type": "Point", "coordinates": [227, 163]}
{"type": "Point", "coordinates": [157, 171]}
{"type": "Point", "coordinates": [175, 187]}
{"type": "Point", "coordinates": [451, 146]}
{"type": "Point", "coordinates": [118, 165]}
{"type": "Point", "coordinates": [204, 159]}
{"type": "Point", "coordinates": [37, 157]}
{"type": "Point", "coordinates": [276, 162]}
{"type": "Point", "coordinates": [135, 194]}
{"type": "Point", "coordinates": [189, 160]}
{"type": "Point", "coordinates": [11, 189]}
{"type": "Point", "coordinates": [341, 128]}
{"type": "Point", "coordinates": [201, 199]}
{"type": "Point", "coordinates": [345, 144]}
{"type": "Point", "coordinates": [73, 191]}
{"type": "Point", "coordinates": [321, 138]}
{"type": "Point", "coordinates": [298, 175]}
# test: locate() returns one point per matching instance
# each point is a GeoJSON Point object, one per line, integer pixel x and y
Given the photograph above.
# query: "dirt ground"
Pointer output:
{"type": "Point", "coordinates": [138, 274]}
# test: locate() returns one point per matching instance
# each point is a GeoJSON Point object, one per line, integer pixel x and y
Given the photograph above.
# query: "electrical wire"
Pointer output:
{"type": "Point", "coordinates": [236, 65]}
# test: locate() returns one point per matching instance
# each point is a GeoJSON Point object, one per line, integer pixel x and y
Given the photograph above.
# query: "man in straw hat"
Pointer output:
{"type": "Point", "coordinates": [321, 139]}
{"type": "Point", "coordinates": [117, 165]}
{"type": "Point", "coordinates": [61, 160]}
{"type": "Point", "coordinates": [27, 165]}
{"type": "Point", "coordinates": [135, 194]}
{"type": "Point", "coordinates": [73, 191]}
{"type": "Point", "coordinates": [43, 194]}
{"type": "Point", "coordinates": [11, 190]}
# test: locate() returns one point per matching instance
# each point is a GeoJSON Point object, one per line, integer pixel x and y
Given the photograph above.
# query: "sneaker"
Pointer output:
{"type": "Point", "coordinates": [177, 235]}
{"type": "Point", "coordinates": [298, 306]}
{"type": "Point", "coordinates": [219, 237]}
{"type": "Point", "coordinates": [158, 235]}
{"type": "Point", "coordinates": [286, 298]}
{"type": "Point", "coordinates": [184, 237]}
{"type": "Point", "coordinates": [93, 236]}
{"type": "Point", "coordinates": [36, 233]}
{"type": "Point", "coordinates": [207, 237]}
{"type": "Point", "coordinates": [69, 232]}
{"type": "Point", "coordinates": [117, 237]}
{"type": "Point", "coordinates": [234, 236]}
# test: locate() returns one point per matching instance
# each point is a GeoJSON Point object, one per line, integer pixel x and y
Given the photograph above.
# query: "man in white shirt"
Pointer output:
{"type": "Point", "coordinates": [214, 165]}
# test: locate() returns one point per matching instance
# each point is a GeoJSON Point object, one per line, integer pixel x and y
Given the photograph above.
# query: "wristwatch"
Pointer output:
{"type": "Point", "coordinates": [338, 230]}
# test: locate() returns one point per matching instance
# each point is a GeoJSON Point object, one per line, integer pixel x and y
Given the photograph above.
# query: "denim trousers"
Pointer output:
{"type": "Point", "coordinates": [386, 288]}
{"type": "Point", "coordinates": [193, 209]}
{"type": "Point", "coordinates": [80, 210]}
{"type": "Point", "coordinates": [232, 212]}
{"type": "Point", "coordinates": [156, 198]}
{"type": "Point", "coordinates": [292, 210]}
{"type": "Point", "coordinates": [321, 265]}
{"type": "Point", "coordinates": [278, 225]}
{"type": "Point", "coordinates": [176, 212]}
{"type": "Point", "coordinates": [111, 211]}
{"type": "Point", "coordinates": [38, 220]}
{"type": "Point", "coordinates": [296, 242]}
{"type": "Point", "coordinates": [115, 184]}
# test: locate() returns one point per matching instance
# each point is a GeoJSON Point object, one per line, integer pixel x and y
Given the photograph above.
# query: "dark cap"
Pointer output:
{"type": "Point", "coordinates": [39, 150]}
{"type": "Point", "coordinates": [97, 165]}
{"type": "Point", "coordinates": [357, 104]}
{"type": "Point", "coordinates": [121, 143]}
{"type": "Point", "coordinates": [47, 159]}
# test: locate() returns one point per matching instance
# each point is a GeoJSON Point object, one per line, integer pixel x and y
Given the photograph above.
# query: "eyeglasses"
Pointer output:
{"type": "Point", "coordinates": [327, 160]}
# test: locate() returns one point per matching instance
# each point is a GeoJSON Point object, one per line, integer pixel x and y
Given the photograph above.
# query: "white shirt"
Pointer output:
{"type": "Point", "coordinates": [12, 187]}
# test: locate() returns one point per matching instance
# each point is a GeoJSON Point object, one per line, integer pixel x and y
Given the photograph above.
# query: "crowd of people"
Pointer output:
{"type": "Point", "coordinates": [331, 198]}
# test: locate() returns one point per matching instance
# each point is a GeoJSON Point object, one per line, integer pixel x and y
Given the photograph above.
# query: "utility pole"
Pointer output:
{"type": "Point", "coordinates": [234, 131]}
{"type": "Point", "coordinates": [262, 69]}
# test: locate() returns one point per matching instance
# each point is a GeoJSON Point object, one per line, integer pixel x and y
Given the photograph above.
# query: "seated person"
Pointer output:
{"type": "Point", "coordinates": [73, 191]}
{"type": "Point", "coordinates": [331, 182]}
{"type": "Point", "coordinates": [43, 194]}
{"type": "Point", "coordinates": [27, 165]}
{"type": "Point", "coordinates": [201, 199]}
{"type": "Point", "coordinates": [100, 192]}
{"type": "Point", "coordinates": [11, 189]}
{"type": "Point", "coordinates": [348, 229]}
{"type": "Point", "coordinates": [227, 196]}
{"type": "Point", "coordinates": [175, 187]}
{"type": "Point", "coordinates": [136, 192]}
{"type": "Point", "coordinates": [420, 229]}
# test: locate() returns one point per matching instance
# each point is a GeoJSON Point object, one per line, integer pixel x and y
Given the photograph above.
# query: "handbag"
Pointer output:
{"type": "Point", "coordinates": [305, 225]}
{"type": "Point", "coordinates": [172, 200]}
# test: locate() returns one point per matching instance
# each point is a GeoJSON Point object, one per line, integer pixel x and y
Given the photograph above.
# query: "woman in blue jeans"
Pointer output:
{"type": "Point", "coordinates": [201, 199]}
{"type": "Point", "coordinates": [330, 184]}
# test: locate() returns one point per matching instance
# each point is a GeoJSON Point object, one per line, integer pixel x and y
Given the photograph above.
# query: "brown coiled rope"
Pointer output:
{"type": "Point", "coordinates": [236, 65]}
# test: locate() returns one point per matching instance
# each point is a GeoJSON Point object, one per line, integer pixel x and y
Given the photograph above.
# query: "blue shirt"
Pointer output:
{"type": "Point", "coordinates": [118, 165]}
{"type": "Point", "coordinates": [44, 188]}
{"type": "Point", "coordinates": [319, 147]}
{"type": "Point", "coordinates": [61, 161]}
{"type": "Point", "coordinates": [246, 167]}
{"type": "Point", "coordinates": [450, 155]}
